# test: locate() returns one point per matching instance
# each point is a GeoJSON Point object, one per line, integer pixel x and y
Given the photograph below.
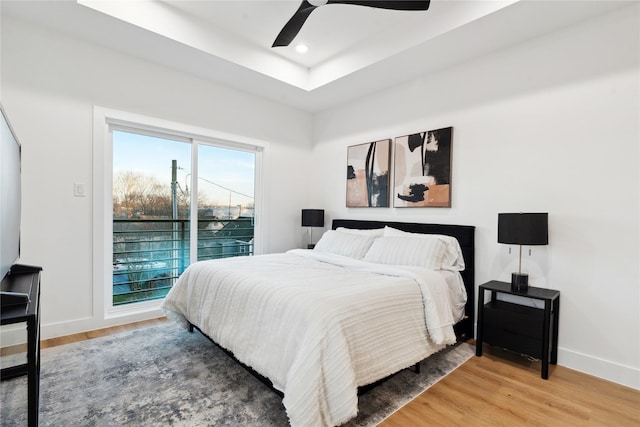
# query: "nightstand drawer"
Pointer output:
{"type": "Point", "coordinates": [514, 342]}
{"type": "Point", "coordinates": [513, 326]}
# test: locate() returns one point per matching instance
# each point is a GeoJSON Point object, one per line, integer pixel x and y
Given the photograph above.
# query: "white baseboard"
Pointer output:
{"type": "Point", "coordinates": [13, 334]}
{"type": "Point", "coordinates": [626, 375]}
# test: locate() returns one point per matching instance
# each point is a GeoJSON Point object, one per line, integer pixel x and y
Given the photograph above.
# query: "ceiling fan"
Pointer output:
{"type": "Point", "coordinates": [293, 26]}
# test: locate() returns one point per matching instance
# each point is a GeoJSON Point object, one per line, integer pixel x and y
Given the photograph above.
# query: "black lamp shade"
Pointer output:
{"type": "Point", "coordinates": [523, 228]}
{"type": "Point", "coordinates": [313, 217]}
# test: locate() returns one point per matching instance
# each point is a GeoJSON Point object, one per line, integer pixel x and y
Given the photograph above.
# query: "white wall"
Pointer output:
{"type": "Point", "coordinates": [551, 125]}
{"type": "Point", "coordinates": [50, 85]}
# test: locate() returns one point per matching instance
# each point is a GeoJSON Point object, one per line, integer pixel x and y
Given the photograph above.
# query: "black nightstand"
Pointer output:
{"type": "Point", "coordinates": [527, 330]}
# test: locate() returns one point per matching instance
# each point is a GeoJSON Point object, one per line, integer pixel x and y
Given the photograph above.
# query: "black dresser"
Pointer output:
{"type": "Point", "coordinates": [20, 299]}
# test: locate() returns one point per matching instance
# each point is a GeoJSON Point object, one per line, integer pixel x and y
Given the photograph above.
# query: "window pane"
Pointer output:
{"type": "Point", "coordinates": [226, 180]}
{"type": "Point", "coordinates": [150, 215]}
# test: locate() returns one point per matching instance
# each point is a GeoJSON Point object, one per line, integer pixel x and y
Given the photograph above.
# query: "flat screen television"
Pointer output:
{"type": "Point", "coordinates": [10, 196]}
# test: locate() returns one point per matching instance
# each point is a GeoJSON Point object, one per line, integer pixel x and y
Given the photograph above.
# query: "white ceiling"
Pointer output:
{"type": "Point", "coordinates": [354, 50]}
{"type": "Point", "coordinates": [332, 31]}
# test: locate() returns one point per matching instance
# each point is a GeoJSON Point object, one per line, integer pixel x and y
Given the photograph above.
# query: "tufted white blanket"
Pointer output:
{"type": "Point", "coordinates": [318, 325]}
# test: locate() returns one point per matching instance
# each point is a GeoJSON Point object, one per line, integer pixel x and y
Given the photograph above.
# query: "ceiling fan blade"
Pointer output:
{"type": "Point", "coordinates": [293, 26]}
{"type": "Point", "coordinates": [389, 4]}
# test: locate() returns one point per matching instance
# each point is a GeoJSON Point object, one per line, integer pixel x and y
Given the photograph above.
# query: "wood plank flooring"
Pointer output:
{"type": "Point", "coordinates": [497, 389]}
{"type": "Point", "coordinates": [503, 389]}
{"type": "Point", "coordinates": [52, 342]}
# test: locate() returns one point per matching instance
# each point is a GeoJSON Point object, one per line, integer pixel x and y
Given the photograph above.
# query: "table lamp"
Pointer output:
{"type": "Point", "coordinates": [522, 229]}
{"type": "Point", "coordinates": [312, 218]}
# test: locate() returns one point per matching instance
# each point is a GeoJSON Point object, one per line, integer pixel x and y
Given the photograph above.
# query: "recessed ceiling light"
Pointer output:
{"type": "Point", "coordinates": [302, 48]}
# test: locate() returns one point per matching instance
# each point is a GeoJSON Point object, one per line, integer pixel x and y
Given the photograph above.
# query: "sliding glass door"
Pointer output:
{"type": "Point", "coordinates": [175, 200]}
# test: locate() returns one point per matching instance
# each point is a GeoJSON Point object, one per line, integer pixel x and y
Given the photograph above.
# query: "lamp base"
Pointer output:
{"type": "Point", "coordinates": [519, 282]}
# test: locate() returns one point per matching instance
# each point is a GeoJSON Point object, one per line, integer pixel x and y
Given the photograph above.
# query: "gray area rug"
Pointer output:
{"type": "Point", "coordinates": [164, 375]}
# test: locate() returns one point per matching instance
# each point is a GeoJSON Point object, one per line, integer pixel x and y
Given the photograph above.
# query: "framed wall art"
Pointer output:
{"type": "Point", "coordinates": [368, 174]}
{"type": "Point", "coordinates": [422, 176]}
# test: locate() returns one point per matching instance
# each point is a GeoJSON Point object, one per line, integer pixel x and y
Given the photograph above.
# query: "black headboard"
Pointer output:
{"type": "Point", "coordinates": [466, 237]}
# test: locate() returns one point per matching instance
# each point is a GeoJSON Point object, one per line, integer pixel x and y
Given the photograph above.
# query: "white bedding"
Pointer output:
{"type": "Point", "coordinates": [319, 325]}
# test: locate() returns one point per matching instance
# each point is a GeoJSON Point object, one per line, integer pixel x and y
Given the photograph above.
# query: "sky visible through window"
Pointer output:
{"type": "Point", "coordinates": [224, 174]}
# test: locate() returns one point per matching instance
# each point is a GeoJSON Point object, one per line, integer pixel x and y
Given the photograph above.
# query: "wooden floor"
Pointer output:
{"type": "Point", "coordinates": [52, 342]}
{"type": "Point", "coordinates": [503, 389]}
{"type": "Point", "coordinates": [497, 389]}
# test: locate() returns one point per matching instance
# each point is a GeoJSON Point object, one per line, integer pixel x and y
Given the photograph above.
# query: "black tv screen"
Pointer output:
{"type": "Point", "coordinates": [10, 196]}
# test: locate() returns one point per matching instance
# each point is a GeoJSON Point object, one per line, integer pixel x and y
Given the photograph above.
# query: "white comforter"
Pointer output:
{"type": "Point", "coordinates": [318, 325]}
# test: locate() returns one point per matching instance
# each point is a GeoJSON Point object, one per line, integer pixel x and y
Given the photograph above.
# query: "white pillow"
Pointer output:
{"type": "Point", "coordinates": [346, 244]}
{"type": "Point", "coordinates": [376, 232]}
{"type": "Point", "coordinates": [454, 257]}
{"type": "Point", "coordinates": [427, 253]}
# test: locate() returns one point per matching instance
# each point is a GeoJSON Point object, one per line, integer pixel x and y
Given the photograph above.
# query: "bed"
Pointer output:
{"type": "Point", "coordinates": [319, 324]}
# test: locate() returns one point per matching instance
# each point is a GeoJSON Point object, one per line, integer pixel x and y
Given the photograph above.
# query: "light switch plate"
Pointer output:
{"type": "Point", "coordinates": [79, 189]}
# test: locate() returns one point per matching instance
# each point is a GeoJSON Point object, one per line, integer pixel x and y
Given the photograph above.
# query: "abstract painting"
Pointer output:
{"type": "Point", "coordinates": [368, 174]}
{"type": "Point", "coordinates": [423, 169]}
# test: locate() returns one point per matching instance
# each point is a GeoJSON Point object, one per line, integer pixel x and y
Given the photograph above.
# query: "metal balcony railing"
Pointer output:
{"type": "Point", "coordinates": [150, 254]}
